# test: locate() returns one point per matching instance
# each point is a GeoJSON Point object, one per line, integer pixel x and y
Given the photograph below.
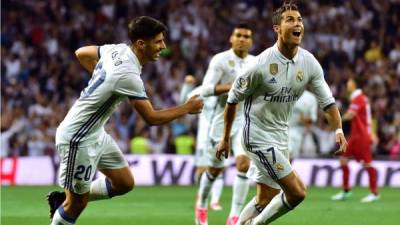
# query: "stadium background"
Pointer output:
{"type": "Point", "coordinates": [40, 78]}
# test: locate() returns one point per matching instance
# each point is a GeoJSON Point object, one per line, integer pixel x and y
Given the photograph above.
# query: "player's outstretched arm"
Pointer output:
{"type": "Point", "coordinates": [224, 145]}
{"type": "Point", "coordinates": [333, 116]}
{"type": "Point", "coordinates": [187, 87]}
{"type": "Point", "coordinates": [158, 117]}
{"type": "Point", "coordinates": [88, 57]}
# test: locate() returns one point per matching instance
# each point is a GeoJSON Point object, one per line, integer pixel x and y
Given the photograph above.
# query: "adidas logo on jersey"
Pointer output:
{"type": "Point", "coordinates": [272, 81]}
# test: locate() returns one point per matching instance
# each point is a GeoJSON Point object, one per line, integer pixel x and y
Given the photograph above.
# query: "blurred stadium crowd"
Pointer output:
{"type": "Point", "coordinates": [40, 77]}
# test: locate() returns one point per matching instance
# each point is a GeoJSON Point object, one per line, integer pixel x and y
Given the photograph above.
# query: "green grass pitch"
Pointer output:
{"type": "Point", "coordinates": [174, 206]}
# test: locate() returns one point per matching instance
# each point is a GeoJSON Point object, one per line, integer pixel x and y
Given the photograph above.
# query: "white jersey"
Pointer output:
{"type": "Point", "coordinates": [115, 78]}
{"type": "Point", "coordinates": [205, 117]}
{"type": "Point", "coordinates": [224, 68]}
{"type": "Point", "coordinates": [270, 87]}
{"type": "Point", "coordinates": [307, 105]}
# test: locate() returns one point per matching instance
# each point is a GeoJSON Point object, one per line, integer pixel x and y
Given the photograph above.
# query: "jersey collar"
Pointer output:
{"type": "Point", "coordinates": [237, 57]}
{"type": "Point", "coordinates": [135, 58]}
{"type": "Point", "coordinates": [283, 58]}
{"type": "Point", "coordinates": [355, 93]}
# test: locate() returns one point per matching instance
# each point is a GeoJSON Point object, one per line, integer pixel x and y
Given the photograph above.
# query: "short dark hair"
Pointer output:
{"type": "Point", "coordinates": [242, 26]}
{"type": "Point", "coordinates": [286, 6]}
{"type": "Point", "coordinates": [145, 27]}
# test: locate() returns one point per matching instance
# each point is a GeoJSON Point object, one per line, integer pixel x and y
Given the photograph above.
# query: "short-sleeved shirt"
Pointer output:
{"type": "Point", "coordinates": [115, 78]}
{"type": "Point", "coordinates": [224, 67]}
{"type": "Point", "coordinates": [361, 123]}
{"type": "Point", "coordinates": [269, 88]}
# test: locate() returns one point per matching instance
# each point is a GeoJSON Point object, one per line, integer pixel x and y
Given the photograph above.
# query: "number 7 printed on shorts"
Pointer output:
{"type": "Point", "coordinates": [272, 149]}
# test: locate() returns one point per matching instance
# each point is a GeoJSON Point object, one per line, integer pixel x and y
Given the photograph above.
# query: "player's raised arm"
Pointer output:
{"type": "Point", "coordinates": [158, 117]}
{"type": "Point", "coordinates": [88, 57]}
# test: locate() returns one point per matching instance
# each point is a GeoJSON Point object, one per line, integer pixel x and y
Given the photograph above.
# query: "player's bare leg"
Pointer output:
{"type": "Point", "coordinates": [294, 192]}
{"type": "Point", "coordinates": [372, 175]}
{"type": "Point", "coordinates": [240, 189]}
{"type": "Point", "coordinates": [122, 180]}
{"type": "Point", "coordinates": [345, 193]}
{"type": "Point", "coordinates": [70, 210]}
{"type": "Point", "coordinates": [264, 195]}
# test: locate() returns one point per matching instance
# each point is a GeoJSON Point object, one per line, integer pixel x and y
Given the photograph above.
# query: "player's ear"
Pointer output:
{"type": "Point", "coordinates": [277, 28]}
{"type": "Point", "coordinates": [141, 44]}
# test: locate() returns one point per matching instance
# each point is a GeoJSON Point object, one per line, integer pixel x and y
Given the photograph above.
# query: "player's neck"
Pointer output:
{"type": "Point", "coordinates": [139, 55]}
{"type": "Point", "coordinates": [289, 51]}
{"type": "Point", "coordinates": [240, 54]}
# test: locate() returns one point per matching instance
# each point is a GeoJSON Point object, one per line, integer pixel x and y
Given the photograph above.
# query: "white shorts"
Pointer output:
{"type": "Point", "coordinates": [78, 164]}
{"type": "Point", "coordinates": [201, 157]}
{"type": "Point", "coordinates": [295, 142]}
{"type": "Point", "coordinates": [236, 146]}
{"type": "Point", "coordinates": [268, 165]}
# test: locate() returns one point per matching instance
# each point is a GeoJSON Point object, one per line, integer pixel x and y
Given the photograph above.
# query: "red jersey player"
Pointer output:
{"type": "Point", "coordinates": [360, 142]}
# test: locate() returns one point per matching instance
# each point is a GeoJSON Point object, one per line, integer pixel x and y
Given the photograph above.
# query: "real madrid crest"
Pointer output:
{"type": "Point", "coordinates": [299, 76]}
{"type": "Point", "coordinates": [231, 63]}
{"type": "Point", "coordinates": [279, 167]}
{"type": "Point", "coordinates": [242, 83]}
{"type": "Point", "coordinates": [273, 68]}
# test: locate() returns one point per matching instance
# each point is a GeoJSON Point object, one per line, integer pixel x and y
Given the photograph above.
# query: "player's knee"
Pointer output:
{"type": "Point", "coordinates": [242, 164]}
{"type": "Point", "coordinates": [214, 171]}
{"type": "Point", "coordinates": [124, 186]}
{"type": "Point", "coordinates": [297, 196]}
{"type": "Point", "coordinates": [128, 185]}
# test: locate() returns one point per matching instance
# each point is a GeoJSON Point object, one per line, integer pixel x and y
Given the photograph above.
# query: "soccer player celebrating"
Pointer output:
{"type": "Point", "coordinates": [359, 113]}
{"type": "Point", "coordinates": [202, 139]}
{"type": "Point", "coordinates": [304, 113]}
{"type": "Point", "coordinates": [222, 71]}
{"type": "Point", "coordinates": [81, 140]}
{"type": "Point", "coordinates": [270, 88]}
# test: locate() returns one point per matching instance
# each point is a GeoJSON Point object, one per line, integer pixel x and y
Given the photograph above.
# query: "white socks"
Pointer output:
{"type": "Point", "coordinates": [240, 190]}
{"type": "Point", "coordinates": [251, 210]}
{"type": "Point", "coordinates": [100, 189]}
{"type": "Point", "coordinates": [216, 189]}
{"type": "Point", "coordinates": [60, 218]}
{"type": "Point", "coordinates": [275, 209]}
{"type": "Point", "coordinates": [205, 185]}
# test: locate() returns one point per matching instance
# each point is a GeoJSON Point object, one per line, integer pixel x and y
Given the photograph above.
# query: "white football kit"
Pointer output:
{"type": "Point", "coordinates": [81, 140]}
{"type": "Point", "coordinates": [224, 67]}
{"type": "Point", "coordinates": [307, 105]}
{"type": "Point", "coordinates": [203, 124]}
{"type": "Point", "coordinates": [270, 87]}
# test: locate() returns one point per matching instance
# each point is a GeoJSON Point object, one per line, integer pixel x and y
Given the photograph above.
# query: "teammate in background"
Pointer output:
{"type": "Point", "coordinates": [270, 88]}
{"type": "Point", "coordinates": [222, 71]}
{"type": "Point", "coordinates": [304, 113]}
{"type": "Point", "coordinates": [360, 141]}
{"type": "Point", "coordinates": [202, 139]}
{"type": "Point", "coordinates": [81, 140]}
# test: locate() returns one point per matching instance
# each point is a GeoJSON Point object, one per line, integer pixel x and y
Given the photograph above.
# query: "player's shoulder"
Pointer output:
{"type": "Point", "coordinates": [121, 58]}
{"type": "Point", "coordinates": [307, 56]}
{"type": "Point", "coordinates": [221, 56]}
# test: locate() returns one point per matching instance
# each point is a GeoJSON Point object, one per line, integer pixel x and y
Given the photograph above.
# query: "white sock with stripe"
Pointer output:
{"type": "Point", "coordinates": [216, 189]}
{"type": "Point", "coordinates": [100, 189]}
{"type": "Point", "coordinates": [251, 210]}
{"type": "Point", "coordinates": [206, 182]}
{"type": "Point", "coordinates": [275, 209]}
{"type": "Point", "coordinates": [240, 190]}
{"type": "Point", "coordinates": [60, 218]}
